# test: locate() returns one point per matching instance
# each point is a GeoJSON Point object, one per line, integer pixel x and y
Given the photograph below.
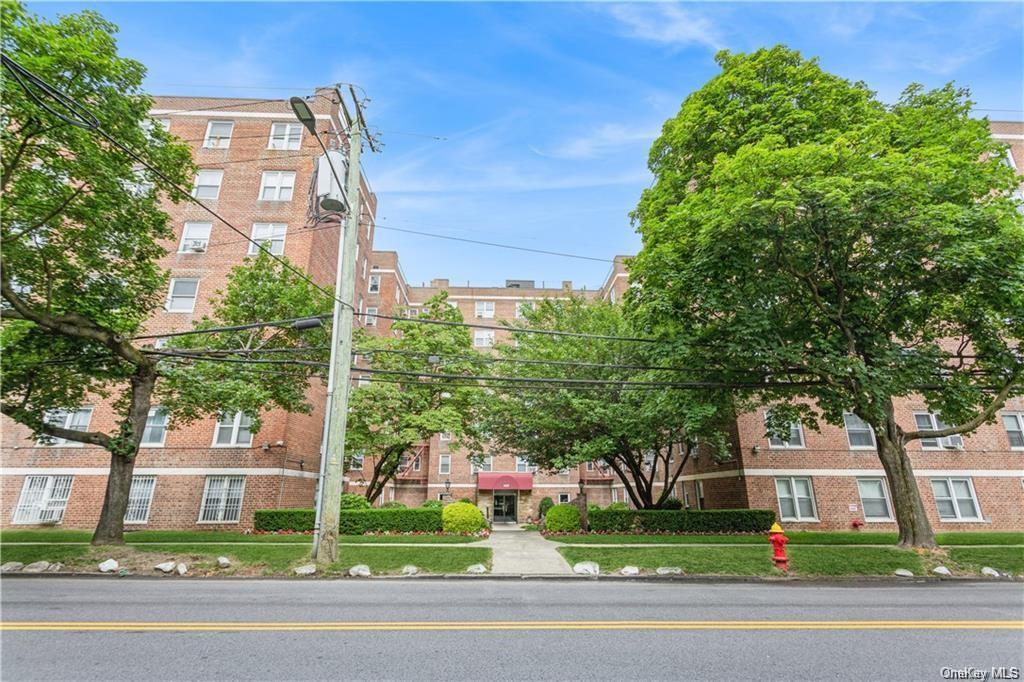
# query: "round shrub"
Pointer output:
{"type": "Point", "coordinates": [545, 504]}
{"type": "Point", "coordinates": [673, 503]}
{"type": "Point", "coordinates": [432, 504]}
{"type": "Point", "coordinates": [618, 506]}
{"type": "Point", "coordinates": [562, 518]}
{"type": "Point", "coordinates": [393, 504]}
{"type": "Point", "coordinates": [354, 501]}
{"type": "Point", "coordinates": [462, 518]}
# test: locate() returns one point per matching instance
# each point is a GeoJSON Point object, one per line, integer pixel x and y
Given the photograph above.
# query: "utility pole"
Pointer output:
{"type": "Point", "coordinates": [325, 548]}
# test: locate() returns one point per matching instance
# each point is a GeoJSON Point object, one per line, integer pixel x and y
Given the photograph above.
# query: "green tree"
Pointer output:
{"type": "Point", "coordinates": [399, 409]}
{"type": "Point", "coordinates": [644, 434]}
{"type": "Point", "coordinates": [82, 232]}
{"type": "Point", "coordinates": [800, 228]}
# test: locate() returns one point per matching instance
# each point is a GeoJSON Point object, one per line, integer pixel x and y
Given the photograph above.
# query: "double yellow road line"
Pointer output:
{"type": "Point", "coordinates": [441, 626]}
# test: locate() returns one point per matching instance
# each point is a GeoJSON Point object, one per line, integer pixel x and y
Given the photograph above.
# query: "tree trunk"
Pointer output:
{"type": "Point", "coordinates": [110, 529]}
{"type": "Point", "coordinates": [914, 528]}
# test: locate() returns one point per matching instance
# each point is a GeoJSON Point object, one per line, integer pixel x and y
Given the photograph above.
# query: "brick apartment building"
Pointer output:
{"type": "Point", "coordinates": [213, 475]}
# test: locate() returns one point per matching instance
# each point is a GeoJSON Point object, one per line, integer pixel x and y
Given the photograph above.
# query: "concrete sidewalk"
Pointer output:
{"type": "Point", "coordinates": [521, 552]}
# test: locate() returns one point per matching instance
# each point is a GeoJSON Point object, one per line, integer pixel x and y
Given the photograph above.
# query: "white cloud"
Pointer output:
{"type": "Point", "coordinates": [668, 24]}
{"type": "Point", "coordinates": [606, 138]}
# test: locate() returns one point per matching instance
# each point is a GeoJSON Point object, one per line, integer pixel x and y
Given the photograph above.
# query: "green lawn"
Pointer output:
{"type": "Point", "coordinates": [796, 538]}
{"type": "Point", "coordinates": [391, 559]}
{"type": "Point", "coordinates": [750, 560]}
{"type": "Point", "coordinates": [1010, 559]}
{"type": "Point", "coordinates": [216, 536]}
{"type": "Point", "coordinates": [27, 554]}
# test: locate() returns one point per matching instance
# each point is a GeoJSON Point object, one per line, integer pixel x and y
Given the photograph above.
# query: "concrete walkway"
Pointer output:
{"type": "Point", "coordinates": [523, 552]}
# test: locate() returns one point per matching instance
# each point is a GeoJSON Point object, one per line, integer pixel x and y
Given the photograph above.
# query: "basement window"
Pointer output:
{"type": "Point", "coordinates": [43, 499]}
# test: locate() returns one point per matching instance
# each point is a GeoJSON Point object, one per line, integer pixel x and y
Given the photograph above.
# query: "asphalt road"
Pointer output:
{"type": "Point", "coordinates": [492, 630]}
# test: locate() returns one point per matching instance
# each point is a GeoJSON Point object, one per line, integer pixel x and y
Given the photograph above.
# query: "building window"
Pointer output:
{"type": "Point", "coordinates": [859, 434]}
{"type": "Point", "coordinates": [195, 238]}
{"type": "Point", "coordinates": [698, 487]}
{"type": "Point", "coordinates": [483, 338]}
{"type": "Point", "coordinates": [796, 499]}
{"type": "Point", "coordinates": [277, 185]}
{"type": "Point", "coordinates": [182, 296]}
{"type": "Point", "coordinates": [412, 312]}
{"type": "Point", "coordinates": [355, 462]}
{"type": "Point", "coordinates": [156, 428]}
{"type": "Point", "coordinates": [874, 499]}
{"type": "Point", "coordinates": [563, 498]}
{"type": "Point", "coordinates": [522, 306]}
{"type": "Point", "coordinates": [285, 136]}
{"type": "Point", "coordinates": [485, 309]}
{"type": "Point", "coordinates": [270, 236]}
{"type": "Point", "coordinates": [485, 464]}
{"type": "Point", "coordinates": [43, 499]}
{"type": "Point", "coordinates": [218, 134]}
{"type": "Point", "coordinates": [444, 464]}
{"type": "Point", "coordinates": [233, 430]}
{"type": "Point", "coordinates": [1014, 424]}
{"type": "Point", "coordinates": [366, 264]}
{"type": "Point", "coordinates": [928, 421]}
{"type": "Point", "coordinates": [795, 439]}
{"type": "Point", "coordinates": [371, 316]}
{"type": "Point", "coordinates": [445, 436]}
{"type": "Point", "coordinates": [74, 420]}
{"type": "Point", "coordinates": [207, 184]}
{"type": "Point", "coordinates": [374, 286]}
{"type": "Point", "coordinates": [362, 381]}
{"type": "Point", "coordinates": [150, 123]}
{"type": "Point", "coordinates": [955, 499]}
{"type": "Point", "coordinates": [523, 464]}
{"type": "Point", "coordinates": [222, 499]}
{"type": "Point", "coordinates": [140, 497]}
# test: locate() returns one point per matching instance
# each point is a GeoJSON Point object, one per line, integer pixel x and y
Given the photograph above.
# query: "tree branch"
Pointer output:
{"type": "Point", "coordinates": [997, 402]}
{"type": "Point", "coordinates": [88, 437]}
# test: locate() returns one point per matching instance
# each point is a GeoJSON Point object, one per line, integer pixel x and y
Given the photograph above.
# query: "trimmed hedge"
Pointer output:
{"type": "Point", "coordinates": [353, 521]}
{"type": "Point", "coordinates": [462, 518]}
{"type": "Point", "coordinates": [667, 521]}
{"type": "Point", "coordinates": [354, 501]}
{"type": "Point", "coordinates": [563, 518]}
{"type": "Point", "coordinates": [273, 520]}
{"type": "Point", "coordinates": [545, 504]}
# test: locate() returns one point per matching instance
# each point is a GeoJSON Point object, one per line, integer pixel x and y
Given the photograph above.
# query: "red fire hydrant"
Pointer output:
{"type": "Point", "coordinates": [778, 541]}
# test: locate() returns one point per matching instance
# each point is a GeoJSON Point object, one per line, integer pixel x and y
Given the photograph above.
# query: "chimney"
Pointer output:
{"type": "Point", "coordinates": [566, 285]}
{"type": "Point", "coordinates": [439, 283]}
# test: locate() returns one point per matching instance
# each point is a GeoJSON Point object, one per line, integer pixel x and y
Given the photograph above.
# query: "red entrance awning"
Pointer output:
{"type": "Point", "coordinates": [489, 480]}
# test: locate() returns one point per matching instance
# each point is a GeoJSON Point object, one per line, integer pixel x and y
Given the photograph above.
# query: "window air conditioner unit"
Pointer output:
{"type": "Point", "coordinates": [955, 442]}
{"type": "Point", "coordinates": [196, 246]}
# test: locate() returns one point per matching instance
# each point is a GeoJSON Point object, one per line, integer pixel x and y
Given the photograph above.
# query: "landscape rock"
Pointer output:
{"type": "Point", "coordinates": [306, 569]}
{"type": "Point", "coordinates": [990, 572]}
{"type": "Point", "coordinates": [182, 569]}
{"type": "Point", "coordinates": [669, 570]}
{"type": "Point", "coordinates": [360, 571]}
{"type": "Point", "coordinates": [630, 570]}
{"type": "Point", "coordinates": [477, 568]}
{"type": "Point", "coordinates": [12, 567]}
{"type": "Point", "coordinates": [903, 573]}
{"type": "Point", "coordinates": [586, 568]}
{"type": "Point", "coordinates": [166, 567]}
{"type": "Point", "coordinates": [55, 568]}
{"type": "Point", "coordinates": [108, 566]}
{"type": "Point", "coordinates": [942, 570]}
{"type": "Point", "coordinates": [223, 562]}
{"type": "Point", "coordinates": [36, 567]}
{"type": "Point", "coordinates": [410, 570]}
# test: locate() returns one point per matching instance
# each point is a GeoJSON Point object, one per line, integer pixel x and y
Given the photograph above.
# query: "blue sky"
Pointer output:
{"type": "Point", "coordinates": [548, 110]}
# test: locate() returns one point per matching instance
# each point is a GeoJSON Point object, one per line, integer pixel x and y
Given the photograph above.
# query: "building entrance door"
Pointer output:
{"type": "Point", "coordinates": [504, 507]}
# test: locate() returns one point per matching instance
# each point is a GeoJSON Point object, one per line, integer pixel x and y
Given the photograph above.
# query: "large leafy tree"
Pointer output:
{"type": "Point", "coordinates": [800, 227]}
{"type": "Point", "coordinates": [82, 232]}
{"type": "Point", "coordinates": [644, 434]}
{"type": "Point", "coordinates": [401, 407]}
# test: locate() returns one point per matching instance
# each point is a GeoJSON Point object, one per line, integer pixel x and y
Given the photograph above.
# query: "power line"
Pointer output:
{"type": "Point", "coordinates": [233, 328]}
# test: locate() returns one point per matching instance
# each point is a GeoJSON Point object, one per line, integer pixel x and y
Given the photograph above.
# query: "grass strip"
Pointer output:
{"type": "Point", "coordinates": [972, 559]}
{"type": "Point", "coordinates": [216, 536]}
{"type": "Point", "coordinates": [795, 538]}
{"type": "Point", "coordinates": [392, 559]}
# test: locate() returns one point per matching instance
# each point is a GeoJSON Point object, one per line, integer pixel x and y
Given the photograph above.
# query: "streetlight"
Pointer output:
{"type": "Point", "coordinates": [304, 114]}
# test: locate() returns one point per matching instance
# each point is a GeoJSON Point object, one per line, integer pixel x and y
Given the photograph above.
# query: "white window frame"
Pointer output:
{"type": "Point", "coordinates": [188, 240]}
{"type": "Point", "coordinates": [373, 285]}
{"type": "Point", "coordinates": [959, 518]}
{"type": "Point", "coordinates": [171, 297]}
{"type": "Point", "coordinates": [140, 499]}
{"type": "Point", "coordinates": [776, 444]}
{"type": "Point", "coordinates": [885, 496]}
{"type": "Point", "coordinates": [954, 442]}
{"type": "Point", "coordinates": [1017, 417]}
{"type": "Point", "coordinates": [563, 498]}
{"type": "Point", "coordinates": [483, 338]}
{"type": "Point", "coordinates": [523, 305]}
{"type": "Point", "coordinates": [153, 412]}
{"type": "Point", "coordinates": [269, 235]}
{"type": "Point", "coordinates": [286, 142]}
{"type": "Point", "coordinates": [488, 462]}
{"type": "Point", "coordinates": [275, 180]}
{"type": "Point", "coordinates": [484, 310]}
{"type": "Point", "coordinates": [219, 142]}
{"type": "Point", "coordinates": [209, 174]}
{"type": "Point", "coordinates": [698, 493]}
{"type": "Point", "coordinates": [799, 518]}
{"type": "Point", "coordinates": [43, 499]}
{"type": "Point", "coordinates": [235, 426]}
{"type": "Point", "coordinates": [370, 318]}
{"type": "Point", "coordinates": [70, 419]}
{"type": "Point", "coordinates": [357, 457]}
{"type": "Point", "coordinates": [444, 465]}
{"type": "Point", "coordinates": [445, 436]}
{"type": "Point", "coordinates": [847, 416]}
{"type": "Point", "coordinates": [523, 466]}
{"type": "Point", "coordinates": [221, 510]}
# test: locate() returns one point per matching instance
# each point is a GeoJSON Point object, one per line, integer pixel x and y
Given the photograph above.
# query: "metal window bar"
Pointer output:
{"type": "Point", "coordinates": [139, 499]}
